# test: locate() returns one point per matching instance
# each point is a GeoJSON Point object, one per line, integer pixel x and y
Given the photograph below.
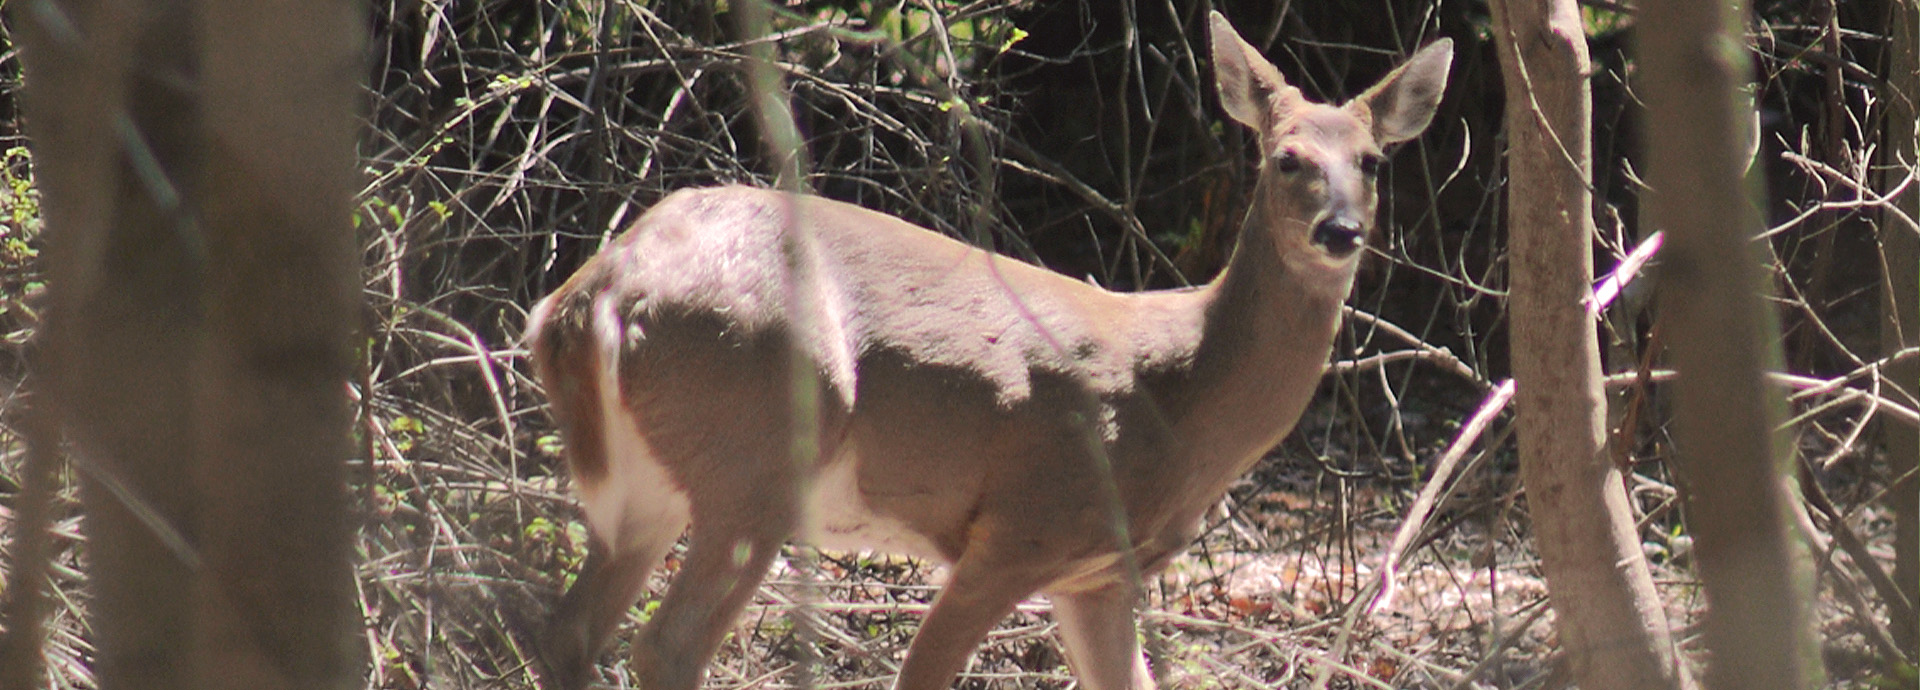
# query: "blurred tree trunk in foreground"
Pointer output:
{"type": "Point", "coordinates": [197, 162]}
{"type": "Point", "coordinates": [1612, 624]}
{"type": "Point", "coordinates": [1692, 76]}
{"type": "Point", "coordinates": [114, 135]}
{"type": "Point", "coordinates": [282, 290]}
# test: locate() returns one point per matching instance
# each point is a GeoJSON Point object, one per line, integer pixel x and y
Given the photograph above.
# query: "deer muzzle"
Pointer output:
{"type": "Point", "coordinates": [1341, 237]}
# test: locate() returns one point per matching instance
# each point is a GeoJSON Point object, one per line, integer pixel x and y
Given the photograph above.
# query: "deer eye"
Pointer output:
{"type": "Point", "coordinates": [1370, 165]}
{"type": "Point", "coordinates": [1288, 162]}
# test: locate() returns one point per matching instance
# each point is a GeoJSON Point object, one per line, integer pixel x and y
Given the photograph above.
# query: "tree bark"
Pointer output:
{"type": "Point", "coordinates": [275, 600]}
{"type": "Point", "coordinates": [1900, 298]}
{"type": "Point", "coordinates": [1611, 622]}
{"type": "Point", "coordinates": [113, 124]}
{"type": "Point", "coordinates": [196, 161]}
{"type": "Point", "coordinates": [1693, 69]}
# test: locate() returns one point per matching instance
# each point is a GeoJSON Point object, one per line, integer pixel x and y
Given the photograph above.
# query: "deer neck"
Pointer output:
{"type": "Point", "coordinates": [1268, 324]}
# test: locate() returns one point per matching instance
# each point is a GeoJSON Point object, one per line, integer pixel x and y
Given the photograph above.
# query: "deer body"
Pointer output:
{"type": "Point", "coordinates": [971, 406]}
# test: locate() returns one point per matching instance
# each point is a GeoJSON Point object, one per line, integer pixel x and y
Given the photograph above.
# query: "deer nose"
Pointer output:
{"type": "Point", "coordinates": [1340, 236]}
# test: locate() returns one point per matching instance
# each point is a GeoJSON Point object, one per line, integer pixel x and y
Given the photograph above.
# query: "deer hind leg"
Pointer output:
{"type": "Point", "coordinates": [634, 514]}
{"type": "Point", "coordinates": [728, 554]}
{"type": "Point", "coordinates": [609, 584]}
{"type": "Point", "coordinates": [1097, 628]}
{"type": "Point", "coordinates": [633, 518]}
{"type": "Point", "coordinates": [728, 449]}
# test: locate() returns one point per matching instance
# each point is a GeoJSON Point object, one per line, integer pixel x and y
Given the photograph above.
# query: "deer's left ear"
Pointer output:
{"type": "Point", "coordinates": [1402, 103]}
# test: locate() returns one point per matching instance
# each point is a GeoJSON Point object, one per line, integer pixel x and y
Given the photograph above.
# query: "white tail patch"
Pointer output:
{"type": "Point", "coordinates": [637, 492]}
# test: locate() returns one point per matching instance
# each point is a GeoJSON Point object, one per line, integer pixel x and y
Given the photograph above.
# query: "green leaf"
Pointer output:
{"type": "Point", "coordinates": [1015, 36]}
{"type": "Point", "coordinates": [549, 445]}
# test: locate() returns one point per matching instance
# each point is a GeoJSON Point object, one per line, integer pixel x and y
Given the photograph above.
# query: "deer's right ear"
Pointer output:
{"type": "Point", "coordinates": [1250, 88]}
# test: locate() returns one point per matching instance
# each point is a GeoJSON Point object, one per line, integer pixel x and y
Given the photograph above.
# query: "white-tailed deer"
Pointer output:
{"type": "Point", "coordinates": [974, 409]}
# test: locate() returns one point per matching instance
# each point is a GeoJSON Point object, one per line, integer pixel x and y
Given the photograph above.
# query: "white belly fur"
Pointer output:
{"type": "Point", "coordinates": [837, 517]}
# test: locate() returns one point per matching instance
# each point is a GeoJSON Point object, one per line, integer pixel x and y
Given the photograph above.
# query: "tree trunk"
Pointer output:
{"type": "Point", "coordinates": [113, 127]}
{"type": "Point", "coordinates": [1900, 299]}
{"type": "Point", "coordinates": [1611, 621]}
{"type": "Point", "coordinates": [197, 166]}
{"type": "Point", "coordinates": [1693, 69]}
{"type": "Point", "coordinates": [275, 600]}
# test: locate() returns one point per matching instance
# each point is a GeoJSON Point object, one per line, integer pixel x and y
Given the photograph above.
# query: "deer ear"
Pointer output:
{"type": "Point", "coordinates": [1403, 102]}
{"type": "Point", "coordinates": [1249, 85]}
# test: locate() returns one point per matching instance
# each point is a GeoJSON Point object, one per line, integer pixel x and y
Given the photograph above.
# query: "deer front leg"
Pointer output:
{"type": "Point", "coordinates": [981, 591]}
{"type": "Point", "coordinates": [1096, 626]}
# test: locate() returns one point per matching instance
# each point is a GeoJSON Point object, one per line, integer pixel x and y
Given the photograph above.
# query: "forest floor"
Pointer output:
{"type": "Point", "coordinates": [1273, 595]}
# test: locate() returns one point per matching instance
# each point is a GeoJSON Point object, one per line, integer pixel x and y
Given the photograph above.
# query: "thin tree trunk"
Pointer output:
{"type": "Point", "coordinates": [1693, 67]}
{"type": "Point", "coordinates": [1610, 617]}
{"type": "Point", "coordinates": [1900, 299]}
